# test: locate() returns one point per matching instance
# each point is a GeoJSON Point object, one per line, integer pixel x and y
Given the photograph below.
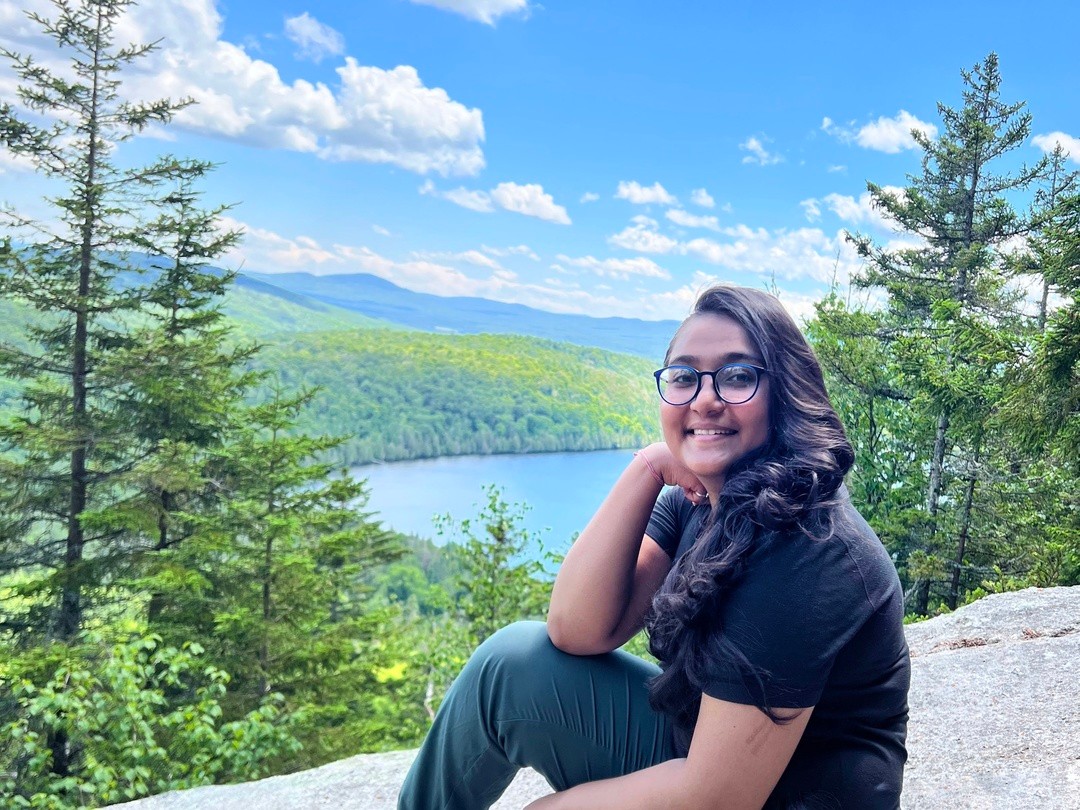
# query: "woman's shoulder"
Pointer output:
{"type": "Point", "coordinates": [846, 565]}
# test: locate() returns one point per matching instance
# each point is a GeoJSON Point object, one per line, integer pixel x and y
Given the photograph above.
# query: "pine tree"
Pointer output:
{"type": "Point", "coordinates": [954, 317]}
{"type": "Point", "coordinates": [72, 441]}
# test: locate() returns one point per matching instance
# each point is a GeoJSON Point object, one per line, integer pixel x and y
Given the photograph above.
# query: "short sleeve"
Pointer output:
{"type": "Point", "coordinates": [796, 607]}
{"type": "Point", "coordinates": [668, 520]}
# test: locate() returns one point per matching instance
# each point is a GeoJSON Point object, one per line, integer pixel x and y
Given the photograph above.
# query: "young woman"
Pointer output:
{"type": "Point", "coordinates": [773, 608]}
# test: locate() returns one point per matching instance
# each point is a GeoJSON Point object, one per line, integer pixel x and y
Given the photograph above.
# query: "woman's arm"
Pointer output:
{"type": "Point", "coordinates": [610, 574]}
{"type": "Point", "coordinates": [736, 758]}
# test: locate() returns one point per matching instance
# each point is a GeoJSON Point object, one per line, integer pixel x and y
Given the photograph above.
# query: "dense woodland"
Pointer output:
{"type": "Point", "coordinates": [191, 592]}
{"type": "Point", "coordinates": [401, 395]}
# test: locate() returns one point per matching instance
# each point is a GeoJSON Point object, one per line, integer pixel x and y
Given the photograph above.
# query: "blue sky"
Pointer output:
{"type": "Point", "coordinates": [607, 158]}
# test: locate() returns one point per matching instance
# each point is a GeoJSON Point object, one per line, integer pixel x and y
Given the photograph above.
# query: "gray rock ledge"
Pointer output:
{"type": "Point", "coordinates": [995, 723]}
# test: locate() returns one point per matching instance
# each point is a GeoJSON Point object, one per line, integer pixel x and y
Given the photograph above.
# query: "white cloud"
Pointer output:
{"type": "Point", "coordinates": [854, 211]}
{"type": "Point", "coordinates": [515, 250]}
{"type": "Point", "coordinates": [380, 230]}
{"type": "Point", "coordinates": [761, 254]}
{"type": "Point", "coordinates": [369, 115]}
{"type": "Point", "coordinates": [473, 257]}
{"type": "Point", "coordinates": [643, 195]}
{"type": "Point", "coordinates": [617, 268]}
{"type": "Point", "coordinates": [837, 169]}
{"type": "Point", "coordinates": [314, 39]}
{"type": "Point", "coordinates": [643, 237]}
{"type": "Point", "coordinates": [266, 251]}
{"type": "Point", "coordinates": [801, 253]}
{"type": "Point", "coordinates": [10, 162]}
{"type": "Point", "coordinates": [680, 217]}
{"type": "Point", "coordinates": [1069, 143]}
{"type": "Point", "coordinates": [758, 153]}
{"type": "Point", "coordinates": [531, 200]}
{"type": "Point", "coordinates": [890, 135]}
{"type": "Point", "coordinates": [485, 11]}
{"type": "Point", "coordinates": [811, 209]}
{"type": "Point", "coordinates": [474, 200]}
{"type": "Point", "coordinates": [700, 196]}
{"type": "Point", "coordinates": [589, 196]}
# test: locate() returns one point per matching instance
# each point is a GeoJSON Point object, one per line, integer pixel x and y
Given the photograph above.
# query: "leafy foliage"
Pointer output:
{"type": "Point", "coordinates": [140, 718]}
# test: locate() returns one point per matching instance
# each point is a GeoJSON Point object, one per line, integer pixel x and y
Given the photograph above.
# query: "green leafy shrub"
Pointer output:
{"type": "Point", "coordinates": [139, 718]}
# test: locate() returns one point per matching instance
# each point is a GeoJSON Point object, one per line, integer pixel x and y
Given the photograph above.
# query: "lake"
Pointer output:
{"type": "Point", "coordinates": [562, 490]}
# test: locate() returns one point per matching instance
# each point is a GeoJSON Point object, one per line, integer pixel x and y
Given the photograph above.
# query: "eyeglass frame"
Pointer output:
{"type": "Point", "coordinates": [716, 388]}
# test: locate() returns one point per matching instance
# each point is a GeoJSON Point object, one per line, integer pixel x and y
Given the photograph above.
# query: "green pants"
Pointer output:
{"type": "Point", "coordinates": [520, 702]}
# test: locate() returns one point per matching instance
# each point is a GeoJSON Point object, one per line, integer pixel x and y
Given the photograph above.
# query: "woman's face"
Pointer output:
{"type": "Point", "coordinates": [709, 435]}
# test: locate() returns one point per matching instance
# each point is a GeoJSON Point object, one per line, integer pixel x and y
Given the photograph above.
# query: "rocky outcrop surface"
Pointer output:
{"type": "Point", "coordinates": [995, 723]}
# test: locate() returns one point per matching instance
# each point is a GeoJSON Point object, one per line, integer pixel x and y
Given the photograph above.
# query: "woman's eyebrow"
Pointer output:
{"type": "Point", "coordinates": [731, 357]}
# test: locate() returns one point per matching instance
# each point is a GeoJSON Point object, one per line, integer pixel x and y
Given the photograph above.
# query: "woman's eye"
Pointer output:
{"type": "Point", "coordinates": [738, 377]}
{"type": "Point", "coordinates": [683, 379]}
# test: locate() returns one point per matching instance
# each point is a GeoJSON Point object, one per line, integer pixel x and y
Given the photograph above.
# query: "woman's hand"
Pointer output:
{"type": "Point", "coordinates": [660, 461]}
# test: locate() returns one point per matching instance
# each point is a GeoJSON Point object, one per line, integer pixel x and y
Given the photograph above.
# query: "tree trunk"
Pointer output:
{"type": "Point", "coordinates": [933, 498]}
{"type": "Point", "coordinates": [965, 528]}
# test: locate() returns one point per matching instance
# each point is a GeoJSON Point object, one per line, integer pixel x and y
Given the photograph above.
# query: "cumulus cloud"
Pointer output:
{"type": "Point", "coordinates": [314, 40]}
{"type": "Point", "coordinates": [700, 196]}
{"type": "Point", "coordinates": [643, 237]}
{"type": "Point", "coordinates": [617, 268]}
{"type": "Point", "coordinates": [380, 230]}
{"type": "Point", "coordinates": [758, 153]}
{"type": "Point", "coordinates": [643, 195]}
{"type": "Point", "coordinates": [680, 217]}
{"type": "Point", "coordinates": [801, 253]}
{"type": "Point", "coordinates": [851, 210]}
{"type": "Point", "coordinates": [890, 135]}
{"type": "Point", "coordinates": [370, 114]}
{"type": "Point", "coordinates": [1069, 144]}
{"type": "Point", "coordinates": [589, 196]}
{"type": "Point", "coordinates": [474, 200]}
{"type": "Point", "coordinates": [531, 200]}
{"type": "Point", "coordinates": [485, 11]}
{"type": "Point", "coordinates": [263, 251]}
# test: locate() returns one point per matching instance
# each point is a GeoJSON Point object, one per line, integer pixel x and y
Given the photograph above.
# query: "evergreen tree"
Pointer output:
{"type": "Point", "coordinates": [270, 578]}
{"type": "Point", "coordinates": [66, 450]}
{"type": "Point", "coordinates": [954, 322]}
{"type": "Point", "coordinates": [497, 586]}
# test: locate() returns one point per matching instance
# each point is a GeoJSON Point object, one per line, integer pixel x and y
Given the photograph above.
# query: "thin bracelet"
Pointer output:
{"type": "Point", "coordinates": [652, 469]}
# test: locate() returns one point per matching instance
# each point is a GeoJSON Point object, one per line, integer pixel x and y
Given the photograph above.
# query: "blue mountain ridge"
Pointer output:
{"type": "Point", "coordinates": [378, 298]}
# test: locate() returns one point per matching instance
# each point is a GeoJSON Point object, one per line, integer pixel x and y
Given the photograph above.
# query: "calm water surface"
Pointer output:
{"type": "Point", "coordinates": [561, 489]}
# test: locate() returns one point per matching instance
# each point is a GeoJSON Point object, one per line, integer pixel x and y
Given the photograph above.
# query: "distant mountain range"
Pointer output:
{"type": "Point", "coordinates": [377, 298]}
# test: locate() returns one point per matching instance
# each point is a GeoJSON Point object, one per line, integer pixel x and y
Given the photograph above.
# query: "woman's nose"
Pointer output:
{"type": "Point", "coordinates": [707, 399]}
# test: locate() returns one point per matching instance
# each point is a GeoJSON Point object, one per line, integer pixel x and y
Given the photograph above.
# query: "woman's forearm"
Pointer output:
{"type": "Point", "coordinates": [652, 788]}
{"type": "Point", "coordinates": [593, 600]}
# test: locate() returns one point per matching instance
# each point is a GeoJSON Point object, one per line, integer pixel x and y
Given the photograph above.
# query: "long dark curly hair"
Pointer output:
{"type": "Point", "coordinates": [783, 490]}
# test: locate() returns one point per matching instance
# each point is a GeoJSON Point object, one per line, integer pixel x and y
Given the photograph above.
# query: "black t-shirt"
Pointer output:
{"type": "Point", "coordinates": [822, 623]}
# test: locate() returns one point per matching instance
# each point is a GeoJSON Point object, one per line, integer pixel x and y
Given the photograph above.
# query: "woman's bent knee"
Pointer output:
{"type": "Point", "coordinates": [523, 643]}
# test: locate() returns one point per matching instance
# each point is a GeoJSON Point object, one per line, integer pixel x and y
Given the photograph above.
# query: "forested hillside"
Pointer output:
{"type": "Point", "coordinates": [399, 395]}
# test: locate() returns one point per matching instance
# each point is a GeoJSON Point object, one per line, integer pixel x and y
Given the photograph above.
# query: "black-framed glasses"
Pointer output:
{"type": "Point", "coordinates": [734, 383]}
